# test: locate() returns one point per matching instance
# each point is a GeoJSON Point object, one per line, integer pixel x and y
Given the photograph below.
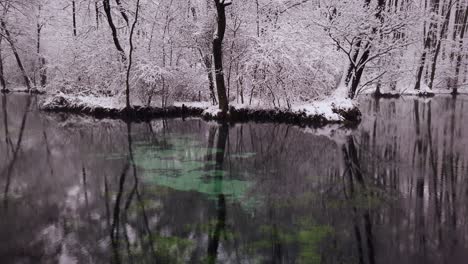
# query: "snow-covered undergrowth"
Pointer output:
{"type": "Point", "coordinates": [336, 108]}
{"type": "Point", "coordinates": [408, 90]}
{"type": "Point", "coordinates": [333, 109]}
{"type": "Point", "coordinates": [23, 89]}
{"type": "Point", "coordinates": [63, 101]}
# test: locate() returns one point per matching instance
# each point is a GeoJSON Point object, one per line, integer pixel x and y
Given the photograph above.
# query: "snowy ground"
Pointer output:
{"type": "Point", "coordinates": [23, 89]}
{"type": "Point", "coordinates": [89, 102]}
{"type": "Point", "coordinates": [409, 90]}
{"type": "Point", "coordinates": [331, 109]}
{"type": "Point", "coordinates": [328, 108]}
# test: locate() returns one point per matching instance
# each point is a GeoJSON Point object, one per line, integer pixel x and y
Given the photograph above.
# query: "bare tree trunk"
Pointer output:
{"type": "Point", "coordinates": [352, 64]}
{"type": "Point", "coordinates": [236, 27]}
{"type": "Point", "coordinates": [356, 68]}
{"type": "Point", "coordinates": [460, 52]}
{"type": "Point", "coordinates": [2, 78]}
{"type": "Point", "coordinates": [130, 56]}
{"type": "Point", "coordinates": [218, 54]}
{"type": "Point", "coordinates": [42, 70]}
{"type": "Point", "coordinates": [207, 61]}
{"type": "Point", "coordinates": [107, 10]}
{"type": "Point", "coordinates": [439, 43]}
{"type": "Point", "coordinates": [74, 17]}
{"type": "Point", "coordinates": [428, 41]}
{"type": "Point", "coordinates": [166, 31]}
{"type": "Point", "coordinates": [358, 71]}
{"type": "Point", "coordinates": [421, 68]}
{"type": "Point", "coordinates": [96, 9]}
{"type": "Point", "coordinates": [15, 53]}
{"type": "Point", "coordinates": [122, 11]}
{"type": "Point", "coordinates": [257, 6]}
{"type": "Point", "coordinates": [209, 69]}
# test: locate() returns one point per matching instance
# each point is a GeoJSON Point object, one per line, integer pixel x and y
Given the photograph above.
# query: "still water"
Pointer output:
{"type": "Point", "coordinates": [394, 190]}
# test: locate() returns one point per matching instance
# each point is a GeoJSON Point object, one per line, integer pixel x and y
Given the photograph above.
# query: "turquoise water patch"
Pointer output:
{"type": "Point", "coordinates": [184, 164]}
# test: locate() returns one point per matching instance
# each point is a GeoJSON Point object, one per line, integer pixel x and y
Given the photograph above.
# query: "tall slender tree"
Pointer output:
{"type": "Point", "coordinates": [2, 77]}
{"type": "Point", "coordinates": [74, 17]}
{"type": "Point", "coordinates": [218, 53]}
{"type": "Point", "coordinates": [130, 56]}
{"type": "Point", "coordinates": [122, 11]}
{"type": "Point", "coordinates": [110, 21]}
{"type": "Point", "coordinates": [442, 34]}
{"type": "Point", "coordinates": [461, 48]}
{"type": "Point", "coordinates": [10, 40]}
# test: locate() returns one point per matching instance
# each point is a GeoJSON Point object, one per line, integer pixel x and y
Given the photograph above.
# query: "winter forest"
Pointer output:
{"type": "Point", "coordinates": [274, 53]}
{"type": "Point", "coordinates": [234, 131]}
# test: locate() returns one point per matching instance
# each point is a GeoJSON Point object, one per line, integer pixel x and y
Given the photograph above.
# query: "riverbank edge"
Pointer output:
{"type": "Point", "coordinates": [23, 90]}
{"type": "Point", "coordinates": [425, 93]}
{"type": "Point", "coordinates": [348, 116]}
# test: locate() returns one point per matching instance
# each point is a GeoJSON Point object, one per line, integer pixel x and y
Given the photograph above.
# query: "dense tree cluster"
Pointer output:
{"type": "Point", "coordinates": [271, 52]}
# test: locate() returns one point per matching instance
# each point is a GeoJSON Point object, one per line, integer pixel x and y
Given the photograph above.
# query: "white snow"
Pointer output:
{"type": "Point", "coordinates": [423, 90]}
{"type": "Point", "coordinates": [337, 100]}
{"type": "Point", "coordinates": [212, 111]}
{"type": "Point", "coordinates": [202, 105]}
{"type": "Point", "coordinates": [407, 88]}
{"type": "Point", "coordinates": [325, 107]}
{"type": "Point", "coordinates": [88, 101]}
{"type": "Point", "coordinates": [104, 102]}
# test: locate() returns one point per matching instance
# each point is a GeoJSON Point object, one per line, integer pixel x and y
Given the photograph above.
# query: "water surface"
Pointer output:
{"type": "Point", "coordinates": [77, 190]}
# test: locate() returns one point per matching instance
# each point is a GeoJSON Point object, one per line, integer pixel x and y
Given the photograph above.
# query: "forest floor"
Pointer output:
{"type": "Point", "coordinates": [330, 110]}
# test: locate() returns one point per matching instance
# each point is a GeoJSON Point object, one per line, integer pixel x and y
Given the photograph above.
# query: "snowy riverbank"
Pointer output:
{"type": "Point", "coordinates": [22, 89]}
{"type": "Point", "coordinates": [331, 110]}
{"type": "Point", "coordinates": [423, 92]}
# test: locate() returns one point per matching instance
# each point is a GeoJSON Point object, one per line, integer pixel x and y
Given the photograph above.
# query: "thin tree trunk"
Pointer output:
{"type": "Point", "coordinates": [166, 31]}
{"type": "Point", "coordinates": [356, 68]}
{"type": "Point", "coordinates": [427, 44]}
{"type": "Point", "coordinates": [122, 11]}
{"type": "Point", "coordinates": [74, 17]}
{"type": "Point", "coordinates": [17, 57]}
{"type": "Point", "coordinates": [257, 6]}
{"type": "Point", "coordinates": [439, 43]}
{"type": "Point", "coordinates": [421, 69]}
{"type": "Point", "coordinates": [96, 8]}
{"type": "Point", "coordinates": [107, 10]}
{"type": "Point", "coordinates": [358, 71]}
{"type": "Point", "coordinates": [209, 69]}
{"type": "Point", "coordinates": [352, 64]}
{"type": "Point", "coordinates": [231, 56]}
{"type": "Point", "coordinates": [207, 61]}
{"type": "Point", "coordinates": [2, 77]}
{"type": "Point", "coordinates": [460, 52]}
{"type": "Point", "coordinates": [218, 55]}
{"type": "Point", "coordinates": [130, 56]}
{"type": "Point", "coordinates": [42, 70]}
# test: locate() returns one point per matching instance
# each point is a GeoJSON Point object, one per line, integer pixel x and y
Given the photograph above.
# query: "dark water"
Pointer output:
{"type": "Point", "coordinates": [395, 190]}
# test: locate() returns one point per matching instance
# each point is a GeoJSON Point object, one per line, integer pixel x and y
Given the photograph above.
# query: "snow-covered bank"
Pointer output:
{"type": "Point", "coordinates": [336, 108]}
{"type": "Point", "coordinates": [318, 113]}
{"type": "Point", "coordinates": [21, 89]}
{"type": "Point", "coordinates": [110, 107]}
{"type": "Point", "coordinates": [423, 92]}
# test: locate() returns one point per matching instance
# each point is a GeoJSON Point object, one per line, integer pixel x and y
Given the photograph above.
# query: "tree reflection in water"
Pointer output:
{"type": "Point", "coordinates": [172, 191]}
